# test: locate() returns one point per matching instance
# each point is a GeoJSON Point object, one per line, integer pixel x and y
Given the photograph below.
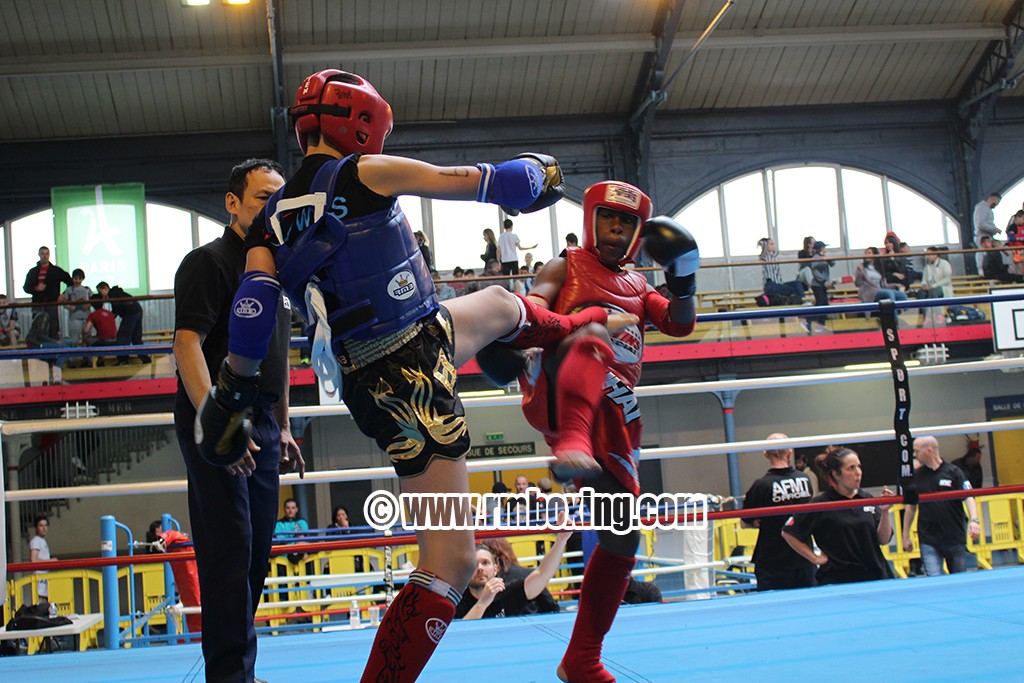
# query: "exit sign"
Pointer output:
{"type": "Point", "coordinates": [496, 436]}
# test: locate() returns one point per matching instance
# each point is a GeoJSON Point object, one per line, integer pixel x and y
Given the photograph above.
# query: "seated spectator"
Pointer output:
{"type": "Point", "coordinates": [473, 284]}
{"type": "Point", "coordinates": [913, 275]}
{"type": "Point", "coordinates": [490, 596]}
{"type": "Point", "coordinates": [638, 592]}
{"type": "Point", "coordinates": [459, 287]}
{"type": "Point", "coordinates": [821, 280]}
{"type": "Point", "coordinates": [519, 284]}
{"type": "Point", "coordinates": [808, 250]}
{"type": "Point", "coordinates": [871, 286]}
{"type": "Point", "coordinates": [936, 283]}
{"type": "Point", "coordinates": [892, 265]}
{"type": "Point", "coordinates": [510, 570]}
{"type": "Point", "coordinates": [289, 526]}
{"type": "Point", "coordinates": [493, 269]}
{"type": "Point", "coordinates": [124, 306]}
{"type": "Point", "coordinates": [992, 265]}
{"type": "Point", "coordinates": [443, 290]}
{"type": "Point", "coordinates": [38, 337]}
{"type": "Point", "coordinates": [339, 520]}
{"type": "Point", "coordinates": [849, 539]}
{"type": "Point", "coordinates": [10, 333]}
{"type": "Point", "coordinates": [100, 327]}
{"type": "Point", "coordinates": [771, 274]}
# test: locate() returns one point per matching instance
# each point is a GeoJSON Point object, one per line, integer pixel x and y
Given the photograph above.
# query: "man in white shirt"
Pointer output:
{"type": "Point", "coordinates": [508, 243]}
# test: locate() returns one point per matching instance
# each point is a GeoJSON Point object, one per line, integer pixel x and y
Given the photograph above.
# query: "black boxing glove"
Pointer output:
{"type": "Point", "coordinates": [674, 249]}
{"type": "Point", "coordinates": [224, 419]}
{"type": "Point", "coordinates": [529, 182]}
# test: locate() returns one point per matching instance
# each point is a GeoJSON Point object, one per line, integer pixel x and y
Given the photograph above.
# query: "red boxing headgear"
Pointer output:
{"type": "Point", "coordinates": [617, 196]}
{"type": "Point", "coordinates": [345, 109]}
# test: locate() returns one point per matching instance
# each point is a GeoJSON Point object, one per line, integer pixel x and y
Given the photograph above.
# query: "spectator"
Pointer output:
{"type": "Point", "coordinates": [421, 240]}
{"type": "Point", "coordinates": [942, 528]}
{"type": "Point", "coordinates": [339, 519]}
{"type": "Point", "coordinates": [510, 570]}
{"type": "Point", "coordinates": [776, 565]}
{"type": "Point", "coordinates": [39, 551]}
{"type": "Point", "coordinates": [522, 483]}
{"type": "Point", "coordinates": [771, 275]}
{"type": "Point", "coordinates": [848, 538]}
{"type": "Point", "coordinates": [528, 261]}
{"type": "Point", "coordinates": [518, 284]}
{"type": "Point", "coordinates": [153, 535]}
{"type": "Point", "coordinates": [936, 283]}
{"type": "Point", "coordinates": [491, 248]}
{"type": "Point", "coordinates": [496, 503]}
{"type": "Point", "coordinates": [638, 592]}
{"type": "Point", "coordinates": [571, 242]}
{"type": "Point", "coordinates": [76, 300]}
{"type": "Point", "coordinates": [1015, 240]}
{"type": "Point", "coordinates": [508, 243]}
{"type": "Point", "coordinates": [124, 306]}
{"type": "Point", "coordinates": [984, 222]}
{"type": "Point", "coordinates": [460, 286]}
{"type": "Point", "coordinates": [871, 286]}
{"type": "Point", "coordinates": [10, 333]}
{"type": "Point", "coordinates": [38, 336]}
{"type": "Point", "coordinates": [544, 484]}
{"type": "Point", "coordinates": [992, 265]}
{"type": "Point", "coordinates": [489, 596]}
{"type": "Point", "coordinates": [43, 283]}
{"type": "Point", "coordinates": [443, 290]}
{"type": "Point", "coordinates": [100, 327]}
{"type": "Point", "coordinates": [472, 284]}
{"type": "Point", "coordinates": [913, 275]}
{"type": "Point", "coordinates": [821, 280]}
{"type": "Point", "coordinates": [290, 526]}
{"type": "Point", "coordinates": [893, 266]}
{"type": "Point", "coordinates": [970, 463]}
{"type": "Point", "coordinates": [807, 252]}
{"type": "Point", "coordinates": [800, 464]}
{"type": "Point", "coordinates": [494, 269]}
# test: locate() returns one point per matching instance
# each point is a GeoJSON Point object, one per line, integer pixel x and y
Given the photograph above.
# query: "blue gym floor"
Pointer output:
{"type": "Point", "coordinates": [951, 628]}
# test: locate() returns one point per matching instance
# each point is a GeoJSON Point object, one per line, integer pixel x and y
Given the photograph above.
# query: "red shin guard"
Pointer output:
{"type": "Point", "coordinates": [408, 634]}
{"type": "Point", "coordinates": [604, 585]}
{"type": "Point", "coordinates": [540, 327]}
{"type": "Point", "coordinates": [581, 375]}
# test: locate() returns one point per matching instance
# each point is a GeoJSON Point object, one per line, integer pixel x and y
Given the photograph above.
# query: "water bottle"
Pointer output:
{"type": "Point", "coordinates": [52, 611]}
{"type": "Point", "coordinates": [354, 620]}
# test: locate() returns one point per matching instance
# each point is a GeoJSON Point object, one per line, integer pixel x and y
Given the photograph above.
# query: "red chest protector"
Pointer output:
{"type": "Point", "coordinates": [589, 283]}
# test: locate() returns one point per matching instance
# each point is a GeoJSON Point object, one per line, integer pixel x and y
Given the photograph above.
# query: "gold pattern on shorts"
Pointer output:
{"type": "Point", "coordinates": [444, 372]}
{"type": "Point", "coordinates": [409, 415]}
{"type": "Point", "coordinates": [445, 323]}
{"type": "Point", "coordinates": [409, 442]}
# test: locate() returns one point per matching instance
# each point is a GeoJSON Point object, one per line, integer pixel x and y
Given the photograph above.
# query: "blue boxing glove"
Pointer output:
{"type": "Point", "coordinates": [674, 249]}
{"type": "Point", "coordinates": [530, 182]}
{"type": "Point", "coordinates": [224, 419]}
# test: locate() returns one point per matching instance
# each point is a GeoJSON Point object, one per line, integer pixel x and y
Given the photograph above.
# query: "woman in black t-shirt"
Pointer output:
{"type": "Point", "coordinates": [849, 538]}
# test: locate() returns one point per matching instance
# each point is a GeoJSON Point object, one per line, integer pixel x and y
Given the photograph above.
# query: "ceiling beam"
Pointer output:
{"type": "Point", "coordinates": [513, 47]}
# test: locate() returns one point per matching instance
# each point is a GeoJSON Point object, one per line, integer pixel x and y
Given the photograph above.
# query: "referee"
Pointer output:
{"type": "Point", "coordinates": [232, 510]}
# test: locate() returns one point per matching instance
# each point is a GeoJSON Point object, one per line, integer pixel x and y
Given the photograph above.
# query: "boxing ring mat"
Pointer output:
{"type": "Point", "coordinates": [951, 628]}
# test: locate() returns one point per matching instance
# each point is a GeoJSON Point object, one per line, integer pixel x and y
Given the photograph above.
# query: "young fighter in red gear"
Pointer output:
{"type": "Point", "coordinates": [345, 255]}
{"type": "Point", "coordinates": [596, 429]}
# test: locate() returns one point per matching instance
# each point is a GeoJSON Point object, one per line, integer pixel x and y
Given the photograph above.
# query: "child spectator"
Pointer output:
{"type": "Point", "coordinates": [100, 327]}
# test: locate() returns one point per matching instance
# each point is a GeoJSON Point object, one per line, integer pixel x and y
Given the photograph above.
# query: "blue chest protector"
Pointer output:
{"type": "Point", "coordinates": [369, 269]}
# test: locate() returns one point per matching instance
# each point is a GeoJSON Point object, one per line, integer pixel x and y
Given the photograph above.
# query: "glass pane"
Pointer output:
{"type": "Point", "coordinates": [952, 231]}
{"type": "Point", "coordinates": [169, 238]}
{"type": "Point", "coordinates": [745, 220]}
{"type": "Point", "coordinates": [535, 228]}
{"type": "Point", "coordinates": [569, 218]}
{"type": "Point", "coordinates": [1011, 203]}
{"type": "Point", "coordinates": [806, 203]}
{"type": "Point", "coordinates": [704, 220]}
{"type": "Point", "coordinates": [865, 210]}
{"type": "Point", "coordinates": [916, 220]}
{"type": "Point", "coordinates": [27, 235]}
{"type": "Point", "coordinates": [209, 230]}
{"type": "Point", "coordinates": [458, 233]}
{"type": "Point", "coordinates": [412, 207]}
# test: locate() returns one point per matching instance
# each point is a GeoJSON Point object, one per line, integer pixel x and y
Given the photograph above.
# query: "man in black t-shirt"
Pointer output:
{"type": "Point", "coordinates": [970, 464]}
{"type": "Point", "coordinates": [232, 510]}
{"type": "Point", "coordinates": [776, 565]}
{"type": "Point", "coordinates": [942, 528]}
{"type": "Point", "coordinates": [488, 596]}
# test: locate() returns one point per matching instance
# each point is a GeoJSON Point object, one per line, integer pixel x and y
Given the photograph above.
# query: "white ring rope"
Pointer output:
{"type": "Point", "coordinates": [492, 464]}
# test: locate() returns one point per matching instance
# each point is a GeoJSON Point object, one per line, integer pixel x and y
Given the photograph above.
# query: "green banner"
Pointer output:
{"type": "Point", "coordinates": [102, 230]}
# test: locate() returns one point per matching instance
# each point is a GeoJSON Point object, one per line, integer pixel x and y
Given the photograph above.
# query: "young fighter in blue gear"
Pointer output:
{"type": "Point", "coordinates": [592, 422]}
{"type": "Point", "coordinates": [337, 240]}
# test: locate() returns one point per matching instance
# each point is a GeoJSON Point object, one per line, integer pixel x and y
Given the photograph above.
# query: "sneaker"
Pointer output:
{"type": "Point", "coordinates": [805, 327]}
